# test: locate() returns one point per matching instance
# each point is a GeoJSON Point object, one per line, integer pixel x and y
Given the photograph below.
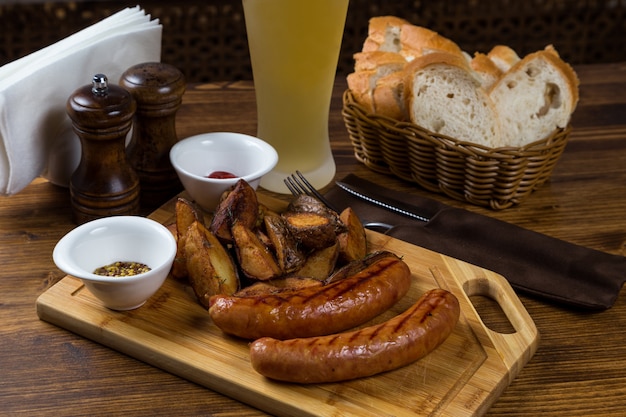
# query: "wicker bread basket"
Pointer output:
{"type": "Point", "coordinates": [498, 178]}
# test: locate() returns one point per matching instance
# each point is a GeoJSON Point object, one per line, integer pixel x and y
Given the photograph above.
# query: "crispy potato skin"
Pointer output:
{"type": "Point", "coordinates": [186, 214]}
{"type": "Point", "coordinates": [211, 269]}
{"type": "Point", "coordinates": [255, 260]}
{"type": "Point", "coordinates": [320, 263]}
{"type": "Point", "coordinates": [364, 352]}
{"type": "Point", "coordinates": [352, 242]}
{"type": "Point", "coordinates": [288, 253]}
{"type": "Point", "coordinates": [314, 311]}
{"type": "Point", "coordinates": [241, 206]}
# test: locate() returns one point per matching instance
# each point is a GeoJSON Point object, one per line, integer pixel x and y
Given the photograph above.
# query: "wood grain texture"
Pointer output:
{"type": "Point", "coordinates": [579, 368]}
{"type": "Point", "coordinates": [173, 332]}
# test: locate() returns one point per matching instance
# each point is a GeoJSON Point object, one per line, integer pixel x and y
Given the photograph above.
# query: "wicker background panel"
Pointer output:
{"type": "Point", "coordinates": [206, 39]}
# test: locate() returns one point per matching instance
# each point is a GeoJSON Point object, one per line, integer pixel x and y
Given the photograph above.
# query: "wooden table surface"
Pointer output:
{"type": "Point", "coordinates": [579, 368]}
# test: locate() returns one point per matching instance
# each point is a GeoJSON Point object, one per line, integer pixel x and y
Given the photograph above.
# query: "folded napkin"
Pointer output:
{"type": "Point", "coordinates": [533, 263]}
{"type": "Point", "coordinates": [36, 136]}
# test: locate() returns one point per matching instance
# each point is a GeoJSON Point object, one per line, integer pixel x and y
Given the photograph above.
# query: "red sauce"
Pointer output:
{"type": "Point", "coordinates": [221, 175]}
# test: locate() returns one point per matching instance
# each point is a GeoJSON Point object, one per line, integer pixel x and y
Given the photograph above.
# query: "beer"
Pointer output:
{"type": "Point", "coordinates": [294, 48]}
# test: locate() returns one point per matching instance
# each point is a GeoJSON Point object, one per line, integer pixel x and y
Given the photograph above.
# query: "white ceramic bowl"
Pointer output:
{"type": "Point", "coordinates": [198, 156]}
{"type": "Point", "coordinates": [118, 238]}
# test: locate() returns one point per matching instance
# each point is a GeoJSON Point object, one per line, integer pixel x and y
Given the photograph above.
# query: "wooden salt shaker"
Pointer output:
{"type": "Point", "coordinates": [103, 184]}
{"type": "Point", "coordinates": [158, 89]}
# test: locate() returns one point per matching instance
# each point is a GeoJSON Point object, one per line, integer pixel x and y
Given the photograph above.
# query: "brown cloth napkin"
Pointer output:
{"type": "Point", "coordinates": [533, 263]}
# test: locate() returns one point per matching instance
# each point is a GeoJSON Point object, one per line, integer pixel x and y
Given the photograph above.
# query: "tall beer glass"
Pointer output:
{"type": "Point", "coordinates": [294, 49]}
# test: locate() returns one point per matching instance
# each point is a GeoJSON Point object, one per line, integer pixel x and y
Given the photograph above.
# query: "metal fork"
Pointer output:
{"type": "Point", "coordinates": [298, 184]}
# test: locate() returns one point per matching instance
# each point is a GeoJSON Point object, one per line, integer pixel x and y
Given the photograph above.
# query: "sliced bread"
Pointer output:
{"type": "Point", "coordinates": [383, 34]}
{"type": "Point", "coordinates": [534, 97]}
{"type": "Point", "coordinates": [444, 96]}
{"type": "Point", "coordinates": [487, 70]}
{"type": "Point", "coordinates": [416, 41]}
{"type": "Point", "coordinates": [388, 96]}
{"type": "Point", "coordinates": [369, 67]}
{"type": "Point", "coordinates": [503, 56]}
{"type": "Point", "coordinates": [388, 61]}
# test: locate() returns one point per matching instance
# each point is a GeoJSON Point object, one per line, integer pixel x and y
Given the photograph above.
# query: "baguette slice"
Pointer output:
{"type": "Point", "coordinates": [486, 69]}
{"type": "Point", "coordinates": [369, 68]}
{"type": "Point", "coordinates": [388, 96]}
{"type": "Point", "coordinates": [389, 61]}
{"type": "Point", "coordinates": [383, 34]}
{"type": "Point", "coordinates": [416, 41]}
{"type": "Point", "coordinates": [360, 85]}
{"type": "Point", "coordinates": [535, 97]}
{"type": "Point", "coordinates": [444, 96]}
{"type": "Point", "coordinates": [503, 57]}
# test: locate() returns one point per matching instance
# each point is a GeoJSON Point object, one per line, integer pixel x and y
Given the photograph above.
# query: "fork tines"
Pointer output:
{"type": "Point", "coordinates": [298, 184]}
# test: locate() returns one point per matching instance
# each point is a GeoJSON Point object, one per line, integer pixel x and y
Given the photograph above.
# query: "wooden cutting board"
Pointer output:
{"type": "Point", "coordinates": [462, 377]}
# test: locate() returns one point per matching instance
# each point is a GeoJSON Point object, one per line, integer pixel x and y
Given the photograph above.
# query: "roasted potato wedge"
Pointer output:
{"type": "Point", "coordinates": [307, 204]}
{"type": "Point", "coordinates": [255, 259]}
{"type": "Point", "coordinates": [210, 268]}
{"type": "Point", "coordinates": [286, 248]}
{"type": "Point", "coordinates": [246, 242]}
{"type": "Point", "coordinates": [186, 214]}
{"type": "Point", "coordinates": [313, 230]}
{"type": "Point", "coordinates": [241, 206]}
{"type": "Point", "coordinates": [274, 286]}
{"type": "Point", "coordinates": [263, 238]}
{"type": "Point", "coordinates": [352, 242]}
{"type": "Point", "coordinates": [319, 264]}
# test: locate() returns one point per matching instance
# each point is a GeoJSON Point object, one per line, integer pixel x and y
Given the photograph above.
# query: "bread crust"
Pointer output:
{"type": "Point", "coordinates": [388, 97]}
{"type": "Point", "coordinates": [503, 56]}
{"type": "Point", "coordinates": [571, 79]}
{"type": "Point", "coordinates": [416, 41]}
{"type": "Point", "coordinates": [359, 85]}
{"type": "Point", "coordinates": [369, 68]}
{"type": "Point", "coordinates": [486, 68]}
{"type": "Point", "coordinates": [438, 57]}
{"type": "Point", "coordinates": [371, 60]}
{"type": "Point", "coordinates": [380, 25]}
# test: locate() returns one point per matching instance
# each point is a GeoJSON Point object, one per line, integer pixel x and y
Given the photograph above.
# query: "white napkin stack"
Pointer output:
{"type": "Point", "coordinates": [35, 131]}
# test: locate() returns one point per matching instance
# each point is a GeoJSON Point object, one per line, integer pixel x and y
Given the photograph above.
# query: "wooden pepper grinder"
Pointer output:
{"type": "Point", "coordinates": [158, 89]}
{"type": "Point", "coordinates": [103, 184]}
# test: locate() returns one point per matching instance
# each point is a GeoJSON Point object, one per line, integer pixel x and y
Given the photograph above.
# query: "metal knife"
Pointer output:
{"type": "Point", "coordinates": [388, 203]}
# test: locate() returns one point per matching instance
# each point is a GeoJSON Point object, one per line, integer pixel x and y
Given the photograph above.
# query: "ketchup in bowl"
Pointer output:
{"type": "Point", "coordinates": [221, 175]}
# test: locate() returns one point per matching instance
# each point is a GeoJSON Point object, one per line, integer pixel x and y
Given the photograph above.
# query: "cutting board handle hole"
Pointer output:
{"type": "Point", "coordinates": [492, 314]}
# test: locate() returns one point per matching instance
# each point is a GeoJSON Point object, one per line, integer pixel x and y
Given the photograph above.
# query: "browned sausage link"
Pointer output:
{"type": "Point", "coordinates": [371, 350]}
{"type": "Point", "coordinates": [317, 310]}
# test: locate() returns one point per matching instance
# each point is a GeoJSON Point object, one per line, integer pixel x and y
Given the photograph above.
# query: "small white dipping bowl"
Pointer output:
{"type": "Point", "coordinates": [107, 240]}
{"type": "Point", "coordinates": [196, 157]}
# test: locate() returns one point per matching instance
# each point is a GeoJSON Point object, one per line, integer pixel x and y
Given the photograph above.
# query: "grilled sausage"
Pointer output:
{"type": "Point", "coordinates": [383, 279]}
{"type": "Point", "coordinates": [371, 350]}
